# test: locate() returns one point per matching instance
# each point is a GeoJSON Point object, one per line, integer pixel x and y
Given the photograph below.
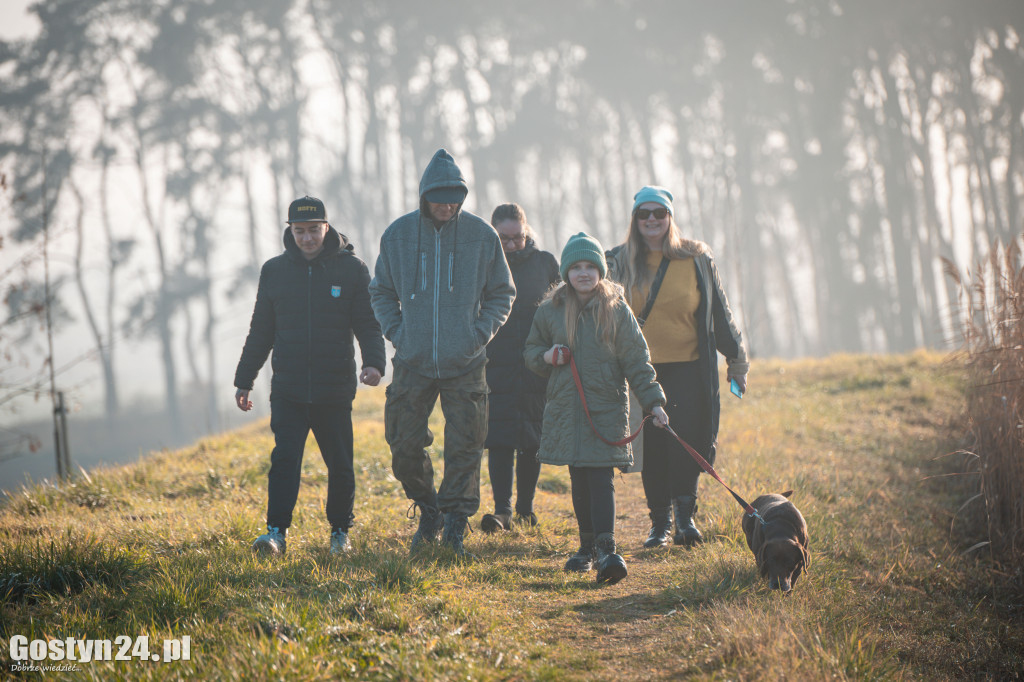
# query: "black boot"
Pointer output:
{"type": "Point", "coordinates": [527, 520]}
{"type": "Point", "coordinates": [661, 528]}
{"type": "Point", "coordinates": [492, 523]}
{"type": "Point", "coordinates": [583, 560]}
{"type": "Point", "coordinates": [454, 527]}
{"type": "Point", "coordinates": [431, 520]}
{"type": "Point", "coordinates": [685, 506]}
{"type": "Point", "coordinates": [611, 568]}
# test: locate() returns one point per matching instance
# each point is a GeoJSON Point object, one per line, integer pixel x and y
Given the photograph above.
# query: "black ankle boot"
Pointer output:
{"type": "Point", "coordinates": [685, 506]}
{"type": "Point", "coordinates": [583, 560]}
{"type": "Point", "coordinates": [611, 568]}
{"type": "Point", "coordinates": [492, 523]}
{"type": "Point", "coordinates": [454, 528]}
{"type": "Point", "coordinates": [661, 528]}
{"type": "Point", "coordinates": [431, 520]}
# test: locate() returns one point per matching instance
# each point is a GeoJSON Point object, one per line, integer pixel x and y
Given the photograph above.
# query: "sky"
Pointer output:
{"type": "Point", "coordinates": [17, 22]}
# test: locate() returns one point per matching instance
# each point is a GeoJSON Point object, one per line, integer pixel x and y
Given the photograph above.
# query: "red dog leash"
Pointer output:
{"type": "Point", "coordinates": [563, 354]}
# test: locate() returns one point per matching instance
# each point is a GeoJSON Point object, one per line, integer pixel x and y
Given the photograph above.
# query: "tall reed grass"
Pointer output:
{"type": "Point", "coordinates": [991, 307]}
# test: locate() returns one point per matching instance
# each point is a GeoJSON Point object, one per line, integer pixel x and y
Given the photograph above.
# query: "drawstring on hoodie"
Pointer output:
{"type": "Point", "coordinates": [419, 257]}
{"type": "Point", "coordinates": [451, 257]}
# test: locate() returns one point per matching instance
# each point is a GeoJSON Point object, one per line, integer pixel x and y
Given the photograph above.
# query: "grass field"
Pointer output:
{"type": "Point", "coordinates": [894, 591]}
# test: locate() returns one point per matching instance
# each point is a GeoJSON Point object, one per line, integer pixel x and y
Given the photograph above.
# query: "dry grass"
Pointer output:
{"type": "Point", "coordinates": [992, 306]}
{"type": "Point", "coordinates": [162, 548]}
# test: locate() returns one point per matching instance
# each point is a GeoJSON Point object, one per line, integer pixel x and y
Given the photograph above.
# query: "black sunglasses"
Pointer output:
{"type": "Point", "coordinates": [644, 213]}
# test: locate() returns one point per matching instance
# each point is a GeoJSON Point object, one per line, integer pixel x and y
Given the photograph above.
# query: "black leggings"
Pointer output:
{"type": "Point", "coordinates": [668, 469]}
{"type": "Point", "coordinates": [593, 498]}
{"type": "Point", "coordinates": [500, 463]}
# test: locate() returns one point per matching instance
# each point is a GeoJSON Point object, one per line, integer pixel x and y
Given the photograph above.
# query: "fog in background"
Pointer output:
{"type": "Point", "coordinates": [830, 152]}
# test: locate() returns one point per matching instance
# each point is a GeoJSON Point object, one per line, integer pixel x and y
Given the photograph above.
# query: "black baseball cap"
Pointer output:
{"type": "Point", "coordinates": [307, 210]}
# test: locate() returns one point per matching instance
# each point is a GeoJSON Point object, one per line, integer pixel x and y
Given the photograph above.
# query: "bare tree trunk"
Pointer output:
{"type": "Point", "coordinates": [103, 349]}
{"type": "Point", "coordinates": [164, 306]}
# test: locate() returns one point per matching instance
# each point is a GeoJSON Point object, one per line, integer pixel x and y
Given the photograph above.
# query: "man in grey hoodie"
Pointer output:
{"type": "Point", "coordinates": [441, 290]}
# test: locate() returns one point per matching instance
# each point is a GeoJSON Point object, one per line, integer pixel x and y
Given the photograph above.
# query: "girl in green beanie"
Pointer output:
{"type": "Point", "coordinates": [587, 315]}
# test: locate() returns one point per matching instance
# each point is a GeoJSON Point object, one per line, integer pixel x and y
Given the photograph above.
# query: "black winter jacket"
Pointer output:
{"type": "Point", "coordinates": [307, 312]}
{"type": "Point", "coordinates": [517, 395]}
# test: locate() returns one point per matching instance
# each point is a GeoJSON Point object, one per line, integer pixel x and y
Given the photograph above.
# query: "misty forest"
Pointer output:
{"type": "Point", "coordinates": [831, 152]}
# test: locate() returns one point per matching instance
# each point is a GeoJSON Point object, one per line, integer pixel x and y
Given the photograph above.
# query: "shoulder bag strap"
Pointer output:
{"type": "Point", "coordinates": [653, 293]}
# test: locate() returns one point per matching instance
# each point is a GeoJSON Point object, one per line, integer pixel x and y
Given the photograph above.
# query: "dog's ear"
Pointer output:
{"type": "Point", "coordinates": [787, 493]}
{"type": "Point", "coordinates": [761, 560]}
{"type": "Point", "coordinates": [801, 534]}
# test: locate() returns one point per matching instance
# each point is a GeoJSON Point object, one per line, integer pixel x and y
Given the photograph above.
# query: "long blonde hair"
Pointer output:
{"type": "Point", "coordinates": [635, 274]}
{"type": "Point", "coordinates": [606, 295]}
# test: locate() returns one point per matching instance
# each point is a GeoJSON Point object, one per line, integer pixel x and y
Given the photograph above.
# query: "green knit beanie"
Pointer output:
{"type": "Point", "coordinates": [581, 246]}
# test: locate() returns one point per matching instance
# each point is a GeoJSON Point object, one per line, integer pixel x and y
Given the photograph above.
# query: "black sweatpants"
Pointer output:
{"type": "Point", "coordinates": [669, 471]}
{"type": "Point", "coordinates": [593, 498]}
{"type": "Point", "coordinates": [500, 463]}
{"type": "Point", "coordinates": [291, 423]}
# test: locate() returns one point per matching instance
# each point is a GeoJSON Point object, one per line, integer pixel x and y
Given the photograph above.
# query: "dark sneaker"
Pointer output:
{"type": "Point", "coordinates": [339, 542]}
{"type": "Point", "coordinates": [270, 543]}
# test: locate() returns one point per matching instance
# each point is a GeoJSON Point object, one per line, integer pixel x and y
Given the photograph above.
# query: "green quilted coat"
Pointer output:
{"type": "Point", "coordinates": [567, 437]}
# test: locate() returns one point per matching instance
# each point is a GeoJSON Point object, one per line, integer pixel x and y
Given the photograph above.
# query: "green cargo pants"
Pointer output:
{"type": "Point", "coordinates": [410, 400]}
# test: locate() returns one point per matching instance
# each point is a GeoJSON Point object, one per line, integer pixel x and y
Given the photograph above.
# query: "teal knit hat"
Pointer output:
{"type": "Point", "coordinates": [658, 195]}
{"type": "Point", "coordinates": [581, 246]}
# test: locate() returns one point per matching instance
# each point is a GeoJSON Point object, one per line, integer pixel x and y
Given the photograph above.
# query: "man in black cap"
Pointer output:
{"type": "Point", "coordinates": [441, 289]}
{"type": "Point", "coordinates": [311, 300]}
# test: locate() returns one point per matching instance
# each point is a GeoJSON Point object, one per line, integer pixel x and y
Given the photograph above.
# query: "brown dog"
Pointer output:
{"type": "Point", "coordinates": [780, 543]}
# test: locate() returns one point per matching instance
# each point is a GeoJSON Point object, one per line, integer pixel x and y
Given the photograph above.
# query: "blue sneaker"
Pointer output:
{"type": "Point", "coordinates": [270, 543]}
{"type": "Point", "coordinates": [339, 542]}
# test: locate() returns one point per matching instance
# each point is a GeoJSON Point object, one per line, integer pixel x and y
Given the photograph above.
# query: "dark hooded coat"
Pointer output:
{"type": "Point", "coordinates": [441, 291]}
{"type": "Point", "coordinates": [307, 312]}
{"type": "Point", "coordinates": [517, 394]}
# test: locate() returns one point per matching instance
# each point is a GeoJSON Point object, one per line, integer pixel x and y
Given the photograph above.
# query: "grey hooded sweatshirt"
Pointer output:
{"type": "Point", "coordinates": [441, 292]}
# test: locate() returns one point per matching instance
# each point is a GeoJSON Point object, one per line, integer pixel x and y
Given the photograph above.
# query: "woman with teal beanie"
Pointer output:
{"type": "Point", "coordinates": [688, 323]}
{"type": "Point", "coordinates": [587, 315]}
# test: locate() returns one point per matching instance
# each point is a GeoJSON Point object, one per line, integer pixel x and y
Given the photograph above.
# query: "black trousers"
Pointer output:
{"type": "Point", "coordinates": [331, 424]}
{"type": "Point", "coordinates": [500, 462]}
{"type": "Point", "coordinates": [593, 498]}
{"type": "Point", "coordinates": [669, 471]}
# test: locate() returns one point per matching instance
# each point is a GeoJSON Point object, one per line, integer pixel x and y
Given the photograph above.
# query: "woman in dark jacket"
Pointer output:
{"type": "Point", "coordinates": [517, 395]}
{"type": "Point", "coordinates": [689, 324]}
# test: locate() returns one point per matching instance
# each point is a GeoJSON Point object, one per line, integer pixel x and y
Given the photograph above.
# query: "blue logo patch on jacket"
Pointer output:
{"type": "Point", "coordinates": [336, 291]}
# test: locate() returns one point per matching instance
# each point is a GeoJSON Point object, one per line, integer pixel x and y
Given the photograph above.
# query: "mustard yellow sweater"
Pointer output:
{"type": "Point", "coordinates": [671, 327]}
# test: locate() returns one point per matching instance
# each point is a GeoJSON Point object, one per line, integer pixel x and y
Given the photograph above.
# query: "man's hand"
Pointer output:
{"type": "Point", "coordinates": [242, 400]}
{"type": "Point", "coordinates": [370, 376]}
{"type": "Point", "coordinates": [660, 418]}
